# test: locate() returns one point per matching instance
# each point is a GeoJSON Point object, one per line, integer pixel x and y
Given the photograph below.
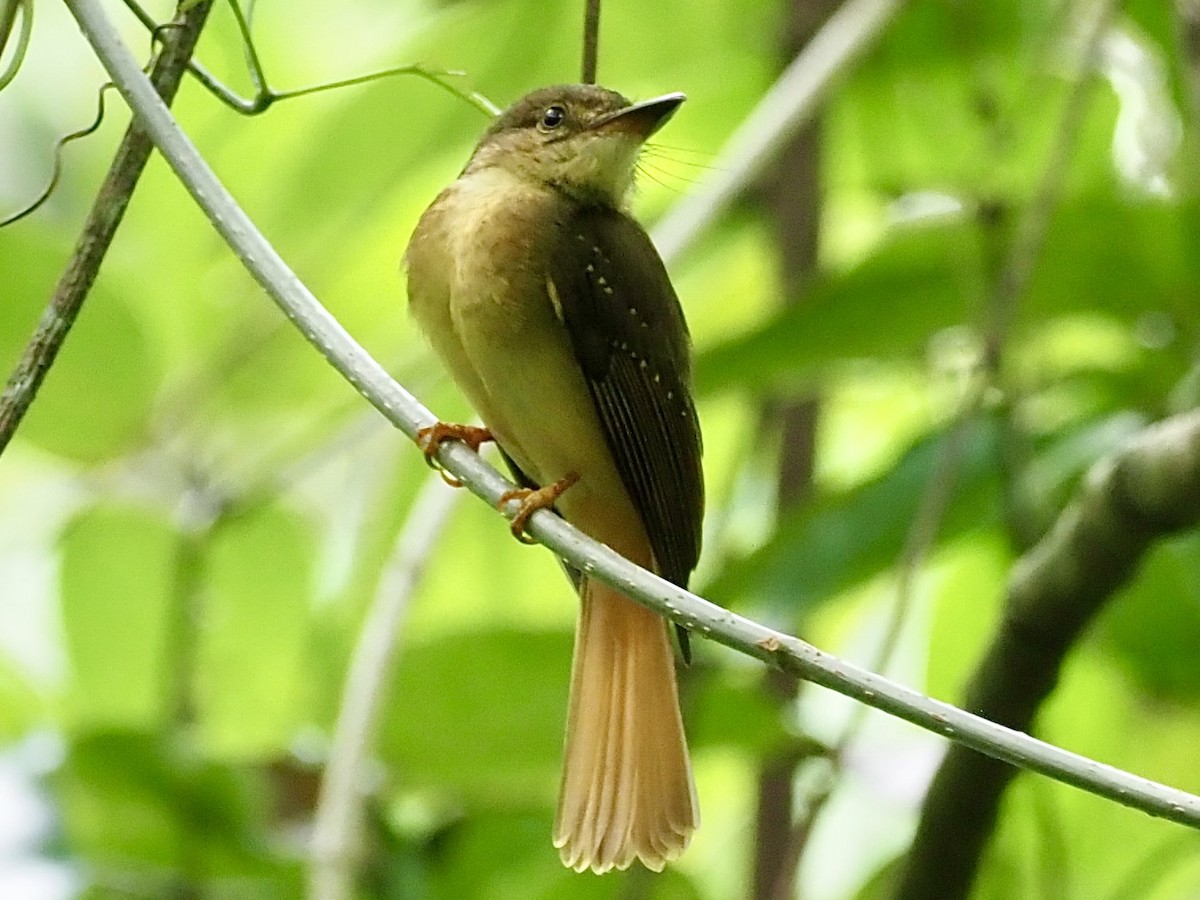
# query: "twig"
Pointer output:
{"type": "Point", "coordinates": [591, 40]}
{"type": "Point", "coordinates": [265, 96]}
{"type": "Point", "coordinates": [337, 824]}
{"type": "Point", "coordinates": [1168, 454]}
{"type": "Point", "coordinates": [98, 231]}
{"type": "Point", "coordinates": [788, 104]}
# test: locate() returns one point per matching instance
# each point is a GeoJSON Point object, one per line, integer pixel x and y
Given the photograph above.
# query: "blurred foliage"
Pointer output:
{"type": "Point", "coordinates": [196, 512]}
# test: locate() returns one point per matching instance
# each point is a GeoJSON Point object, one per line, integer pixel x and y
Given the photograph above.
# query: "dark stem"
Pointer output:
{"type": "Point", "coordinates": [793, 197]}
{"type": "Point", "coordinates": [773, 813]}
{"type": "Point", "coordinates": [1055, 592]}
{"type": "Point", "coordinates": [102, 222]}
{"type": "Point", "coordinates": [591, 40]}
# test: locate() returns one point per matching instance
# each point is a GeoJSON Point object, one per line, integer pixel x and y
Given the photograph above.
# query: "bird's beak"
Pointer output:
{"type": "Point", "coordinates": [641, 119]}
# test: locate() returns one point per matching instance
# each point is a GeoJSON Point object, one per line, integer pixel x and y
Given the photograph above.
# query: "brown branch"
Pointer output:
{"type": "Point", "coordinates": [793, 197]}
{"type": "Point", "coordinates": [1145, 492]}
{"type": "Point", "coordinates": [98, 231]}
{"type": "Point", "coordinates": [591, 40]}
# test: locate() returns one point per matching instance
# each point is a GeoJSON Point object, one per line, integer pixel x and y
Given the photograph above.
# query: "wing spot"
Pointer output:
{"type": "Point", "coordinates": [555, 300]}
{"type": "Point", "coordinates": [643, 363]}
{"type": "Point", "coordinates": [580, 237]}
{"type": "Point", "coordinates": [657, 379]}
{"type": "Point", "coordinates": [596, 250]}
{"type": "Point", "coordinates": [670, 395]}
{"type": "Point", "coordinates": [607, 289]}
{"type": "Point", "coordinates": [633, 310]}
{"type": "Point", "coordinates": [591, 268]}
{"type": "Point", "coordinates": [601, 280]}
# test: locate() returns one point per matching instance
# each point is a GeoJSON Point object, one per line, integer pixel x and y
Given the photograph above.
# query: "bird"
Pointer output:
{"type": "Point", "coordinates": [556, 317]}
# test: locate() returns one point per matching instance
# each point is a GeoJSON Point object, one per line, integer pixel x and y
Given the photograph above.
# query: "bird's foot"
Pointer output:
{"type": "Point", "coordinates": [531, 501]}
{"type": "Point", "coordinates": [431, 438]}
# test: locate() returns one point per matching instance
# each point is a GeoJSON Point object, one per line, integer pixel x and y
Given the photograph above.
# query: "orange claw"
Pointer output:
{"type": "Point", "coordinates": [531, 501]}
{"type": "Point", "coordinates": [430, 439]}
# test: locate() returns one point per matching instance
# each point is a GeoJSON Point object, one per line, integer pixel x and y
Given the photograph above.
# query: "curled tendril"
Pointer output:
{"type": "Point", "coordinates": [56, 168]}
{"type": "Point", "coordinates": [8, 15]}
{"type": "Point", "coordinates": [61, 143]}
{"type": "Point", "coordinates": [263, 99]}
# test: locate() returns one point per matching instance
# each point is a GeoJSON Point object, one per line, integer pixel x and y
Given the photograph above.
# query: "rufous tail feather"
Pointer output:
{"type": "Point", "coordinates": [627, 787]}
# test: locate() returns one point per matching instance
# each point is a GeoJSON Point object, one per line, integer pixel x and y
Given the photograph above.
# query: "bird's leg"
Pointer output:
{"type": "Point", "coordinates": [431, 439]}
{"type": "Point", "coordinates": [533, 499]}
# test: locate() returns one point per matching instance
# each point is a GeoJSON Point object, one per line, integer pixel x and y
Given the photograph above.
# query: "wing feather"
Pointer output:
{"type": "Point", "coordinates": [628, 333]}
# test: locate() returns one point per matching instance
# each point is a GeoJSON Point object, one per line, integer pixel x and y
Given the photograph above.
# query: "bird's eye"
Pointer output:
{"type": "Point", "coordinates": [552, 118]}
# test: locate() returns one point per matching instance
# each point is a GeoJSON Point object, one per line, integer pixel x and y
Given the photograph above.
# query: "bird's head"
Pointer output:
{"type": "Point", "coordinates": [580, 139]}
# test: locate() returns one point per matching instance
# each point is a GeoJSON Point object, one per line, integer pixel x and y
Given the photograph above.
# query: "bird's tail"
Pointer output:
{"type": "Point", "coordinates": [627, 782]}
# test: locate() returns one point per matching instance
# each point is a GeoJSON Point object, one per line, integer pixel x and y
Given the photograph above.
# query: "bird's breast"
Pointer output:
{"type": "Point", "coordinates": [478, 284]}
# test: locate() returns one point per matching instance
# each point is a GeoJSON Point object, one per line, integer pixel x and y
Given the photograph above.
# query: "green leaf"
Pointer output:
{"type": "Point", "coordinates": [1106, 253]}
{"type": "Point", "coordinates": [255, 617]}
{"type": "Point", "coordinates": [1103, 254]}
{"type": "Point", "coordinates": [1051, 475]}
{"type": "Point", "coordinates": [482, 714]}
{"type": "Point", "coordinates": [506, 855]}
{"type": "Point", "coordinates": [845, 538]}
{"type": "Point", "coordinates": [724, 709]}
{"type": "Point", "coordinates": [669, 884]}
{"type": "Point", "coordinates": [142, 807]}
{"type": "Point", "coordinates": [509, 856]}
{"type": "Point", "coordinates": [1153, 627]}
{"type": "Point", "coordinates": [118, 597]}
{"type": "Point", "coordinates": [20, 704]}
{"type": "Point", "coordinates": [96, 397]}
{"type": "Point", "coordinates": [917, 283]}
{"type": "Point", "coordinates": [128, 779]}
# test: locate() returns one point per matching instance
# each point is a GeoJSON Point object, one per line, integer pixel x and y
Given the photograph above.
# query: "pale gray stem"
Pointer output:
{"type": "Point", "coordinates": [783, 109]}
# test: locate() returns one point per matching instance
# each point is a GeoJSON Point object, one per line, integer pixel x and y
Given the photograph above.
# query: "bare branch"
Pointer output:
{"type": "Point", "coordinates": [98, 232]}
{"type": "Point", "coordinates": [1168, 455]}
{"type": "Point", "coordinates": [265, 96]}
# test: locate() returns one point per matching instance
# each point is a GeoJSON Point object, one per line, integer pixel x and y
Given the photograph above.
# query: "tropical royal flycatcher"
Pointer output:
{"type": "Point", "coordinates": [554, 314]}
